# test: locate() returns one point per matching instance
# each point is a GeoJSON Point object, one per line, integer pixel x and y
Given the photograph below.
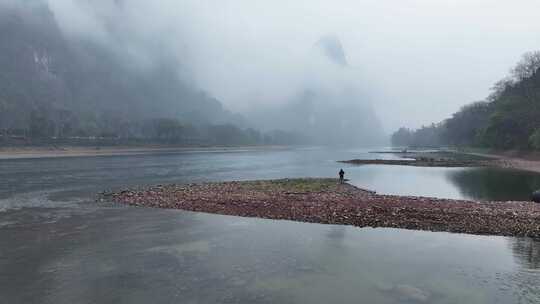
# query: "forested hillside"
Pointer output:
{"type": "Point", "coordinates": [509, 118]}
{"type": "Point", "coordinates": [58, 87]}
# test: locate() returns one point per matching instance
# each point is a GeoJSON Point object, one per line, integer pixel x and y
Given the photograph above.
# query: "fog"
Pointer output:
{"type": "Point", "coordinates": [412, 62]}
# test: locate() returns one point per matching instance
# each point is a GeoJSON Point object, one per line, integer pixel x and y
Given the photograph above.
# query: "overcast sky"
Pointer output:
{"type": "Point", "coordinates": [417, 61]}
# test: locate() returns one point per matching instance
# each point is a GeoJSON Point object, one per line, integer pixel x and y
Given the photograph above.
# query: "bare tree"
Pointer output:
{"type": "Point", "coordinates": [527, 66]}
{"type": "Point", "coordinates": [499, 87]}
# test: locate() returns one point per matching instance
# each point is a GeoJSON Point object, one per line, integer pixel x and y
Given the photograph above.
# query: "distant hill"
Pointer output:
{"type": "Point", "coordinates": [54, 85]}
{"type": "Point", "coordinates": [62, 86]}
{"type": "Point", "coordinates": [331, 46]}
{"type": "Point", "coordinates": [326, 118]}
{"type": "Point", "coordinates": [334, 114]}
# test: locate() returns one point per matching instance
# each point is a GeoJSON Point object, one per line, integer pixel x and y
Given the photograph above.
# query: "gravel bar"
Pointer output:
{"type": "Point", "coordinates": [324, 200]}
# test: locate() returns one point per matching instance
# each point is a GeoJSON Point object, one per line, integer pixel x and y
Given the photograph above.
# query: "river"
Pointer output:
{"type": "Point", "coordinates": [58, 246]}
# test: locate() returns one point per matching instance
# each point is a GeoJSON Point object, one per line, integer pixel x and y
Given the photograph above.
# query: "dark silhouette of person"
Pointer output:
{"type": "Point", "coordinates": [341, 176]}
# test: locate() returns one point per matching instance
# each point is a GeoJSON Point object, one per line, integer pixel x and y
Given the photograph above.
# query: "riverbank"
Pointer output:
{"type": "Point", "coordinates": [528, 161]}
{"type": "Point", "coordinates": [74, 151]}
{"type": "Point", "coordinates": [518, 160]}
{"type": "Point", "coordinates": [325, 201]}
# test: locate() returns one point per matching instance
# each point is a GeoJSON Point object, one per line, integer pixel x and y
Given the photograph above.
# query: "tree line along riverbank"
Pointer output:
{"type": "Point", "coordinates": [507, 119]}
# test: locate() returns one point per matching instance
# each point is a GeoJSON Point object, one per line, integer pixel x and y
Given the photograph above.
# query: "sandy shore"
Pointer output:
{"type": "Point", "coordinates": [513, 160]}
{"type": "Point", "coordinates": [521, 164]}
{"type": "Point", "coordinates": [47, 152]}
{"type": "Point", "coordinates": [326, 201]}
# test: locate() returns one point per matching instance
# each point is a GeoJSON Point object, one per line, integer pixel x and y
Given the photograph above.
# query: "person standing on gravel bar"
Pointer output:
{"type": "Point", "coordinates": [341, 176]}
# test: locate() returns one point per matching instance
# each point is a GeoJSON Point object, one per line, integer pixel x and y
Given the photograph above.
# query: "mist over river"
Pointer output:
{"type": "Point", "coordinates": [57, 245]}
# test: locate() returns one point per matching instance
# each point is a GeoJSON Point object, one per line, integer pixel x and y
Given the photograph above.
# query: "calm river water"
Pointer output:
{"type": "Point", "coordinates": [58, 246]}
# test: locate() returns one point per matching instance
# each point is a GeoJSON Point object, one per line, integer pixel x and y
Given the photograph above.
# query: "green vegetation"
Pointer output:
{"type": "Point", "coordinates": [427, 136]}
{"type": "Point", "coordinates": [509, 118]}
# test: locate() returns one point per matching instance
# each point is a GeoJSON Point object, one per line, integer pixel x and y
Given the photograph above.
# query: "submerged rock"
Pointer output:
{"type": "Point", "coordinates": [405, 293]}
{"type": "Point", "coordinates": [411, 293]}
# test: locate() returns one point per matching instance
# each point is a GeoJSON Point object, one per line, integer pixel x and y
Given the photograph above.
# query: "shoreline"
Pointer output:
{"type": "Point", "coordinates": [512, 160]}
{"type": "Point", "coordinates": [7, 153]}
{"type": "Point", "coordinates": [323, 200]}
{"type": "Point", "coordinates": [516, 160]}
{"type": "Point", "coordinates": [417, 163]}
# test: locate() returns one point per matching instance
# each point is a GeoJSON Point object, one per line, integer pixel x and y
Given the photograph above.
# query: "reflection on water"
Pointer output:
{"type": "Point", "coordinates": [495, 184]}
{"type": "Point", "coordinates": [336, 233]}
{"type": "Point", "coordinates": [170, 256]}
{"type": "Point", "coordinates": [526, 251]}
